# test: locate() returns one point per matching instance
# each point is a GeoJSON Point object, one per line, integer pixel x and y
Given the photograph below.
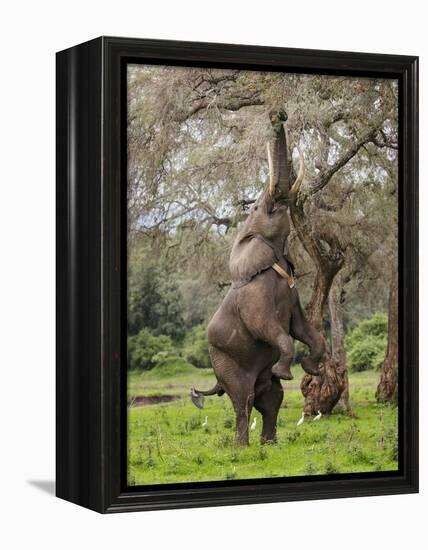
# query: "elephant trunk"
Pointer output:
{"type": "Point", "coordinates": [280, 187]}
{"type": "Point", "coordinates": [279, 172]}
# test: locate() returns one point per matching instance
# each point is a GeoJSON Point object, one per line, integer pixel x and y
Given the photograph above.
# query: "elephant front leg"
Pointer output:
{"type": "Point", "coordinates": [261, 319]}
{"type": "Point", "coordinates": [303, 331]}
{"type": "Point", "coordinates": [278, 338]}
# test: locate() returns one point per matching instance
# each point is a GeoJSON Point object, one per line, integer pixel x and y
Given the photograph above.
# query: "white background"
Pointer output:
{"type": "Point", "coordinates": [30, 34]}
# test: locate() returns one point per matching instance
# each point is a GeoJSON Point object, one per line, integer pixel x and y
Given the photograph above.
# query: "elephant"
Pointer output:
{"type": "Point", "coordinates": [250, 336]}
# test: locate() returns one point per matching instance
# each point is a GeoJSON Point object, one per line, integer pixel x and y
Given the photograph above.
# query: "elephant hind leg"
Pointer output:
{"type": "Point", "coordinates": [302, 330]}
{"type": "Point", "coordinates": [239, 385]}
{"type": "Point", "coordinates": [267, 402]}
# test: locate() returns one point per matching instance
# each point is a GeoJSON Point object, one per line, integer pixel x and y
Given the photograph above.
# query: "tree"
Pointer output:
{"type": "Point", "coordinates": [154, 299]}
{"type": "Point", "coordinates": [325, 242]}
{"type": "Point", "coordinates": [387, 387]}
{"type": "Point", "coordinates": [338, 352]}
{"type": "Point", "coordinates": [197, 159]}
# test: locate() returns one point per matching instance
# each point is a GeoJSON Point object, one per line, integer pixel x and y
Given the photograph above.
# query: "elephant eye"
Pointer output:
{"type": "Point", "coordinates": [256, 207]}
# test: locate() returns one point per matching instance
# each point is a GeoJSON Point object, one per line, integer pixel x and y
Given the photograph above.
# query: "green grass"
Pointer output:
{"type": "Point", "coordinates": [168, 444]}
{"type": "Point", "coordinates": [158, 381]}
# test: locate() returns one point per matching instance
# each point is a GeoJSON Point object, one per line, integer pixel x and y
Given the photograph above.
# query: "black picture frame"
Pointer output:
{"type": "Point", "coordinates": [91, 274]}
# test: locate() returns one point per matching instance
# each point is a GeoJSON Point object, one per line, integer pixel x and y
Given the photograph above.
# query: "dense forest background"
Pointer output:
{"type": "Point", "coordinates": [197, 160]}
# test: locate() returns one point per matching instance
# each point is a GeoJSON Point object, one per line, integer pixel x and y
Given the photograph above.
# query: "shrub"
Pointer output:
{"type": "Point", "coordinates": [366, 343]}
{"type": "Point", "coordinates": [155, 300]}
{"type": "Point", "coordinates": [144, 347]}
{"type": "Point", "coordinates": [195, 349]}
{"type": "Point", "coordinates": [367, 354]}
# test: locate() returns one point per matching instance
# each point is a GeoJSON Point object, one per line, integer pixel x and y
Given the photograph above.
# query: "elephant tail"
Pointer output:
{"type": "Point", "coordinates": [197, 396]}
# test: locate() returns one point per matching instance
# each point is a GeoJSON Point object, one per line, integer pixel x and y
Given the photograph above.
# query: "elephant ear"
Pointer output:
{"type": "Point", "coordinates": [249, 257]}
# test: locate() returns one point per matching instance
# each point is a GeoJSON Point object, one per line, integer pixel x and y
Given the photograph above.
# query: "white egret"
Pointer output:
{"type": "Point", "coordinates": [302, 419]}
{"type": "Point", "coordinates": [205, 422]}
{"type": "Point", "coordinates": [318, 416]}
{"type": "Point", "coordinates": [253, 425]}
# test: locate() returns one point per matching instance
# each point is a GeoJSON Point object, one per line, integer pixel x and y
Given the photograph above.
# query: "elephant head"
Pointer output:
{"type": "Point", "coordinates": [263, 238]}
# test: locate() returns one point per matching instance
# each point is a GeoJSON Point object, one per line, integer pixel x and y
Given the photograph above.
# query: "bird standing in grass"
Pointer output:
{"type": "Point", "coordinates": [302, 419]}
{"type": "Point", "coordinates": [205, 422]}
{"type": "Point", "coordinates": [318, 416]}
{"type": "Point", "coordinates": [254, 424]}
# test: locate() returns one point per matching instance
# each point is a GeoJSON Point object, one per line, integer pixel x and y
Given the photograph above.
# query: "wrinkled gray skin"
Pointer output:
{"type": "Point", "coordinates": [251, 334]}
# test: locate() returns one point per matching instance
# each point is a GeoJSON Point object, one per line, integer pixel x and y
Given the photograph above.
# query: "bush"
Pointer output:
{"type": "Point", "coordinates": [195, 349]}
{"type": "Point", "coordinates": [366, 343]}
{"type": "Point", "coordinates": [155, 301]}
{"type": "Point", "coordinates": [367, 354]}
{"type": "Point", "coordinates": [144, 347]}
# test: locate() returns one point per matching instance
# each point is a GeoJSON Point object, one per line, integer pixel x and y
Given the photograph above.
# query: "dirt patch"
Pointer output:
{"type": "Point", "coordinates": [141, 400]}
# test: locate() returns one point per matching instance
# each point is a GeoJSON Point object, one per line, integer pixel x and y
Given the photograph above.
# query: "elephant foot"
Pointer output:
{"type": "Point", "coordinates": [282, 371]}
{"type": "Point", "coordinates": [309, 367]}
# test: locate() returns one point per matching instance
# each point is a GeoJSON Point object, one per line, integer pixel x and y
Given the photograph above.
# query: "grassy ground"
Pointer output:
{"type": "Point", "coordinates": [168, 444]}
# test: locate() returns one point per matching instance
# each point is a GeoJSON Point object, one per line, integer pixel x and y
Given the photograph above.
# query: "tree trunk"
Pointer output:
{"type": "Point", "coordinates": [321, 392]}
{"type": "Point", "coordinates": [338, 342]}
{"type": "Point", "coordinates": [387, 387]}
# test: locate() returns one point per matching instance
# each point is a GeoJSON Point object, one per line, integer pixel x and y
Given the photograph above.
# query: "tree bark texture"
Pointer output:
{"type": "Point", "coordinates": [338, 342]}
{"type": "Point", "coordinates": [387, 387]}
{"type": "Point", "coordinates": [321, 392]}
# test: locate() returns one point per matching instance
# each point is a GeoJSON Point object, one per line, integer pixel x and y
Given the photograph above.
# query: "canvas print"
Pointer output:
{"type": "Point", "coordinates": [262, 244]}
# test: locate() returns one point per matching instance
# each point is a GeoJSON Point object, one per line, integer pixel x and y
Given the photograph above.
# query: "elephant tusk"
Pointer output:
{"type": "Point", "coordinates": [271, 181]}
{"type": "Point", "coordinates": [299, 180]}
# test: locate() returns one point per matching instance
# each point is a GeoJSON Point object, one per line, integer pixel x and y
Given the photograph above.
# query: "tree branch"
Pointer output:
{"type": "Point", "coordinates": [226, 104]}
{"type": "Point", "coordinates": [325, 175]}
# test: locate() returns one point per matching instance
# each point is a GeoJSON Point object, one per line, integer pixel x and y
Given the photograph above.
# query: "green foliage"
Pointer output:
{"type": "Point", "coordinates": [154, 301]}
{"type": "Point", "coordinates": [188, 175]}
{"type": "Point", "coordinates": [375, 326]}
{"type": "Point", "coordinates": [367, 354]}
{"type": "Point", "coordinates": [148, 351]}
{"type": "Point", "coordinates": [200, 295]}
{"type": "Point", "coordinates": [300, 350]}
{"type": "Point", "coordinates": [144, 349]}
{"type": "Point", "coordinates": [366, 343]}
{"type": "Point", "coordinates": [195, 348]}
